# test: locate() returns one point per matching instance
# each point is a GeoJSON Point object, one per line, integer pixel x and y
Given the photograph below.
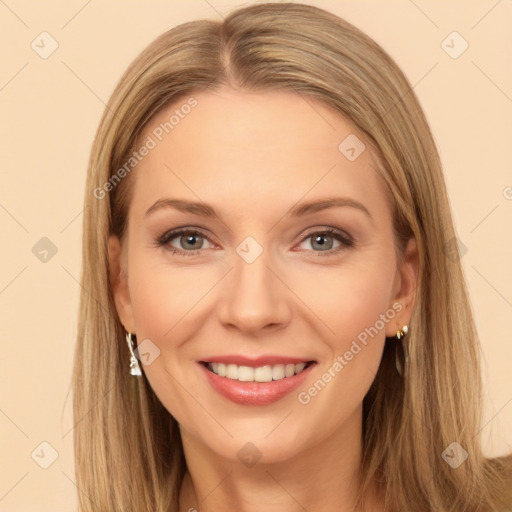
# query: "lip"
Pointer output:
{"type": "Point", "coordinates": [255, 393]}
{"type": "Point", "coordinates": [255, 362]}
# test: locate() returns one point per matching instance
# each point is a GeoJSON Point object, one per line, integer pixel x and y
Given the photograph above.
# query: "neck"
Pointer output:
{"type": "Point", "coordinates": [322, 476]}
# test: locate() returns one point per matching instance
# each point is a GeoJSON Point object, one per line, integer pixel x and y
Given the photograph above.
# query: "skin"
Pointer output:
{"type": "Point", "coordinates": [253, 157]}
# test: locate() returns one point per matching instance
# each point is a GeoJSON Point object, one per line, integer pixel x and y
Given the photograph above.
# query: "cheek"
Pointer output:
{"type": "Point", "coordinates": [171, 304]}
{"type": "Point", "coordinates": [353, 305]}
{"type": "Point", "coordinates": [337, 307]}
{"type": "Point", "coordinates": [166, 301]}
{"type": "Point", "coordinates": [348, 299]}
{"type": "Point", "coordinates": [166, 296]}
{"type": "Point", "coordinates": [343, 300]}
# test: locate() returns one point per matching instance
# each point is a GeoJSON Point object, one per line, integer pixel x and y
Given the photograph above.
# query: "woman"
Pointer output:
{"type": "Point", "coordinates": [221, 364]}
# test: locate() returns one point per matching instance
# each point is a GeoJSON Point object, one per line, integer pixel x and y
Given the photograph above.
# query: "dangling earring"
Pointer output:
{"type": "Point", "coordinates": [134, 364]}
{"type": "Point", "coordinates": [401, 359]}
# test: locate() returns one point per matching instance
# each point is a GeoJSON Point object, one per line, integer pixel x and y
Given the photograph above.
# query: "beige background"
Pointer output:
{"type": "Point", "coordinates": [50, 109]}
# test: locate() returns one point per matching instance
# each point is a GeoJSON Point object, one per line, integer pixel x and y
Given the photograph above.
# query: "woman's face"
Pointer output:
{"type": "Point", "coordinates": [260, 278]}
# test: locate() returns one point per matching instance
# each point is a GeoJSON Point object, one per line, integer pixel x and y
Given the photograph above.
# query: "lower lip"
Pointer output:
{"type": "Point", "coordinates": [255, 393]}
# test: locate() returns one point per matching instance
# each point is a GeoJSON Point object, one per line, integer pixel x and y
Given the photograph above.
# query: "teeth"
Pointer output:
{"type": "Point", "coordinates": [278, 372]}
{"type": "Point", "coordinates": [289, 370]}
{"type": "Point", "coordinates": [246, 374]}
{"type": "Point", "coordinates": [259, 374]}
{"type": "Point", "coordinates": [232, 371]}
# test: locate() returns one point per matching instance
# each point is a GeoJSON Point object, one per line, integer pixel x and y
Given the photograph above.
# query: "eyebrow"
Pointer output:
{"type": "Point", "coordinates": [299, 210]}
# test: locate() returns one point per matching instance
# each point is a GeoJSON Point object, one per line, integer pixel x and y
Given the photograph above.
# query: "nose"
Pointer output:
{"type": "Point", "coordinates": [255, 298]}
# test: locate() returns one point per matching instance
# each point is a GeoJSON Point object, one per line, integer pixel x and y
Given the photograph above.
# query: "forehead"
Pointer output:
{"type": "Point", "coordinates": [254, 150]}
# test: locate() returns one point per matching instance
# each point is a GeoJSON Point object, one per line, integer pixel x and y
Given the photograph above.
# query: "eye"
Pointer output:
{"type": "Point", "coordinates": [188, 241]}
{"type": "Point", "coordinates": [323, 240]}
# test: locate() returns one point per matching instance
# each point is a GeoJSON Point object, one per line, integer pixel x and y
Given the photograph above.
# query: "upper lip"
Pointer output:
{"type": "Point", "coordinates": [255, 362]}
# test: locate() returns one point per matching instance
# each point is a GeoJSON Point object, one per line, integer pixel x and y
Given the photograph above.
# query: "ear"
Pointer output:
{"type": "Point", "coordinates": [119, 283]}
{"type": "Point", "coordinates": [404, 289]}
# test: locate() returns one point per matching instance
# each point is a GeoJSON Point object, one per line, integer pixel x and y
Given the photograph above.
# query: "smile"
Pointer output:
{"type": "Point", "coordinates": [255, 385]}
{"type": "Point", "coordinates": [265, 373]}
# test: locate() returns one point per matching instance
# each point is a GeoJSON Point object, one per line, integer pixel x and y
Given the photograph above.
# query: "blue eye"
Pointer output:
{"type": "Point", "coordinates": [319, 238]}
{"type": "Point", "coordinates": [186, 237]}
{"type": "Point", "coordinates": [194, 240]}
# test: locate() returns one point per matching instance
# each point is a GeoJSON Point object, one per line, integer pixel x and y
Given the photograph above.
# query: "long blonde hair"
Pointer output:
{"type": "Point", "coordinates": [128, 451]}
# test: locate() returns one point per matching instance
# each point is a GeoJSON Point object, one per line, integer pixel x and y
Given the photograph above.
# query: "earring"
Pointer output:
{"type": "Point", "coordinates": [134, 364]}
{"type": "Point", "coordinates": [401, 359]}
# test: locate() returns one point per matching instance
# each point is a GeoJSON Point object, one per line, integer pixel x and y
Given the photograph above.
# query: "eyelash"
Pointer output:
{"type": "Point", "coordinates": [171, 235]}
